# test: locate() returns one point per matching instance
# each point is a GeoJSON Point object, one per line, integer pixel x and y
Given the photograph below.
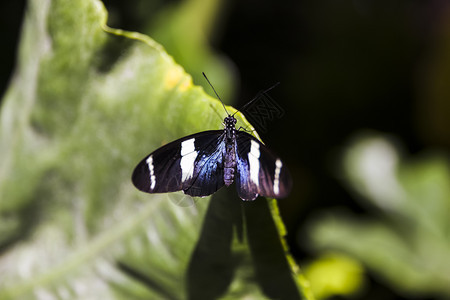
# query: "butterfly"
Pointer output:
{"type": "Point", "coordinates": [202, 163]}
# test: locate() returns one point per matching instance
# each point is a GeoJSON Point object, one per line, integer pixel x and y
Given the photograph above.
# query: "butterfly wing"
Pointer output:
{"type": "Point", "coordinates": [193, 164]}
{"type": "Point", "coordinates": [259, 171]}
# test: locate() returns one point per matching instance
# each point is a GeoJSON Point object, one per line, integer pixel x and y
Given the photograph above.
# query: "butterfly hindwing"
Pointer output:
{"type": "Point", "coordinates": [259, 171]}
{"type": "Point", "coordinates": [192, 164]}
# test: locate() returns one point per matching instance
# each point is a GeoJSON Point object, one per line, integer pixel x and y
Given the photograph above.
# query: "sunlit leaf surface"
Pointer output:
{"type": "Point", "coordinates": [85, 105]}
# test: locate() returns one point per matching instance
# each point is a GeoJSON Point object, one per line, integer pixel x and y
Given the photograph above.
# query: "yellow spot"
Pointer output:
{"type": "Point", "coordinates": [177, 78]}
{"type": "Point", "coordinates": [335, 274]}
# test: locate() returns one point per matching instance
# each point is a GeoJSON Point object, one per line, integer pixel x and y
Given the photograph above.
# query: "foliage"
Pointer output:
{"type": "Point", "coordinates": [193, 50]}
{"type": "Point", "coordinates": [406, 242]}
{"type": "Point", "coordinates": [334, 274]}
{"type": "Point", "coordinates": [85, 104]}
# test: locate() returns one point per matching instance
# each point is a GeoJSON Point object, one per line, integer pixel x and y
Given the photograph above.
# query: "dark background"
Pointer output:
{"type": "Point", "coordinates": [344, 66]}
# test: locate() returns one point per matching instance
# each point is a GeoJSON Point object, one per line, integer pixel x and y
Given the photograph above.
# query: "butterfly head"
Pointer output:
{"type": "Point", "coordinates": [229, 122]}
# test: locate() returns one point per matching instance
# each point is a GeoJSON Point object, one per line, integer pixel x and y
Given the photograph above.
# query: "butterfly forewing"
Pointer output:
{"type": "Point", "coordinates": [208, 169]}
{"type": "Point", "coordinates": [259, 171]}
{"type": "Point", "coordinates": [192, 164]}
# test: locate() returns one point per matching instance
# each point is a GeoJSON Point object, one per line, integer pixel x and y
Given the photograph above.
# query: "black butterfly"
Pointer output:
{"type": "Point", "coordinates": [202, 163]}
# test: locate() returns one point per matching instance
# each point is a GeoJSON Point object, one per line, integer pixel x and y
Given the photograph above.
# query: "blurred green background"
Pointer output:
{"type": "Point", "coordinates": [365, 86]}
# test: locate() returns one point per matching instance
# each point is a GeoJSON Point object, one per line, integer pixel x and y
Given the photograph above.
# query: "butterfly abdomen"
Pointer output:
{"type": "Point", "coordinates": [229, 164]}
{"type": "Point", "coordinates": [230, 151]}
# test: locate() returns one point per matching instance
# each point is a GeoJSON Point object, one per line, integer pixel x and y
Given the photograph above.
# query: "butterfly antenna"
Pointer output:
{"type": "Point", "coordinates": [204, 75]}
{"type": "Point", "coordinates": [255, 98]}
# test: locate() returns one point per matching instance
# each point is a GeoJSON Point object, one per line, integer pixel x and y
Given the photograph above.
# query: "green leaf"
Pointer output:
{"type": "Point", "coordinates": [406, 243]}
{"type": "Point", "coordinates": [335, 274]}
{"type": "Point", "coordinates": [86, 103]}
{"type": "Point", "coordinates": [191, 48]}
